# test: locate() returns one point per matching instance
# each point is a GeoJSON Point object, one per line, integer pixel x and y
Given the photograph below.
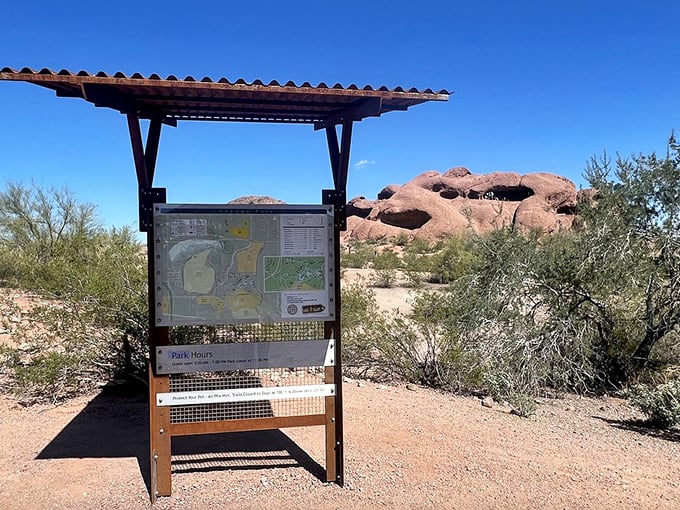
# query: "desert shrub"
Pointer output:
{"type": "Point", "coordinates": [357, 255]}
{"type": "Point", "coordinates": [416, 347]}
{"type": "Point", "coordinates": [361, 322]}
{"type": "Point", "coordinates": [502, 387]}
{"type": "Point", "coordinates": [401, 239]}
{"type": "Point", "coordinates": [418, 246]}
{"type": "Point", "coordinates": [414, 279]}
{"type": "Point", "coordinates": [453, 259]}
{"type": "Point", "coordinates": [387, 260]}
{"type": "Point", "coordinates": [661, 404]}
{"type": "Point", "coordinates": [61, 372]}
{"type": "Point", "coordinates": [416, 263]}
{"type": "Point", "coordinates": [416, 267]}
{"type": "Point", "coordinates": [95, 280]}
{"type": "Point", "coordinates": [422, 346]}
{"type": "Point", "coordinates": [638, 198]}
{"type": "Point", "coordinates": [493, 330]}
{"type": "Point", "coordinates": [383, 278]}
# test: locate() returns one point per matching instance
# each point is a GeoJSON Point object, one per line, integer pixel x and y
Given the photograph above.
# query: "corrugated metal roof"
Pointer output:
{"type": "Point", "coordinates": [173, 99]}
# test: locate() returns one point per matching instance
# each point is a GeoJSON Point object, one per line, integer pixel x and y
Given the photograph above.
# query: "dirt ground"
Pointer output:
{"type": "Point", "coordinates": [404, 449]}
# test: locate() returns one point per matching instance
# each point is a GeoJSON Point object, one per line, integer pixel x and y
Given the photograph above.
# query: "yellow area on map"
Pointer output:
{"type": "Point", "coordinates": [243, 304]}
{"type": "Point", "coordinates": [242, 231]}
{"type": "Point", "coordinates": [197, 275]}
{"type": "Point", "coordinates": [217, 303]}
{"type": "Point", "coordinates": [246, 260]}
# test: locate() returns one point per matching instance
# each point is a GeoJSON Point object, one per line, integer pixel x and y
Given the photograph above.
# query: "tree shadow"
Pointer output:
{"type": "Point", "coordinates": [643, 427]}
{"type": "Point", "coordinates": [114, 426]}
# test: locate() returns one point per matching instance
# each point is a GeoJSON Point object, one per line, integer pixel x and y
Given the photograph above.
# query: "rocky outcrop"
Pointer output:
{"type": "Point", "coordinates": [435, 205]}
{"type": "Point", "coordinates": [255, 200]}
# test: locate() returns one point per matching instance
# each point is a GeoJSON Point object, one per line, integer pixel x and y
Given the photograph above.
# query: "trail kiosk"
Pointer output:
{"type": "Point", "coordinates": [244, 300]}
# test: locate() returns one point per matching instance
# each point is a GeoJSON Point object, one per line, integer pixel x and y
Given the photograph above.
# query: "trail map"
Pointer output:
{"type": "Point", "coordinates": [225, 264]}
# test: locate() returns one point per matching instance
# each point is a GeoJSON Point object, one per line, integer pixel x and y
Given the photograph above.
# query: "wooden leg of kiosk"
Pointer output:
{"type": "Point", "coordinates": [331, 464]}
{"type": "Point", "coordinates": [159, 438]}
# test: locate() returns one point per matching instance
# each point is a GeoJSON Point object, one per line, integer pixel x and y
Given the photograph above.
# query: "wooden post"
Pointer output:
{"type": "Point", "coordinates": [159, 417]}
{"type": "Point", "coordinates": [159, 438]}
{"type": "Point", "coordinates": [339, 156]}
{"type": "Point", "coordinates": [331, 432]}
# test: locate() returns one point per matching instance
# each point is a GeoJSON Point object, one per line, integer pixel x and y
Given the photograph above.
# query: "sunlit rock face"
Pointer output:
{"type": "Point", "coordinates": [435, 205]}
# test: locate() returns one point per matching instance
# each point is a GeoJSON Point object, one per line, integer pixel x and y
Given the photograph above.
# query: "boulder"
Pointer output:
{"type": "Point", "coordinates": [456, 171]}
{"type": "Point", "coordinates": [255, 199]}
{"type": "Point", "coordinates": [359, 206]}
{"type": "Point", "coordinates": [434, 205]}
{"type": "Point", "coordinates": [388, 191]}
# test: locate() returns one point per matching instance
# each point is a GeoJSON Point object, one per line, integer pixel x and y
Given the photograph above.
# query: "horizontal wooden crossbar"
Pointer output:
{"type": "Point", "coordinates": [215, 427]}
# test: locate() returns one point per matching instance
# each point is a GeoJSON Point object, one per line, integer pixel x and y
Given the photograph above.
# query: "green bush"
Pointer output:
{"type": "Point", "coordinates": [401, 239]}
{"type": "Point", "coordinates": [453, 260]}
{"type": "Point", "coordinates": [95, 324]}
{"type": "Point", "coordinates": [61, 372]}
{"type": "Point", "coordinates": [387, 260]}
{"type": "Point", "coordinates": [357, 255]}
{"type": "Point", "coordinates": [384, 278]}
{"type": "Point", "coordinates": [661, 404]}
{"type": "Point", "coordinates": [361, 325]}
{"type": "Point", "coordinates": [418, 246]}
{"type": "Point", "coordinates": [503, 388]}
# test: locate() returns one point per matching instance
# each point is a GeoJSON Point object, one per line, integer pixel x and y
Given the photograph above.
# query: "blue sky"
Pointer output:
{"type": "Point", "coordinates": [539, 86]}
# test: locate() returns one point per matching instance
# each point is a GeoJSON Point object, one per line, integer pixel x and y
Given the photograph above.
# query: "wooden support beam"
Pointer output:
{"type": "Point", "coordinates": [336, 371]}
{"type": "Point", "coordinates": [138, 151]}
{"type": "Point", "coordinates": [151, 151]}
{"type": "Point", "coordinates": [341, 183]}
{"type": "Point", "coordinates": [339, 156]}
{"type": "Point", "coordinates": [334, 152]}
{"type": "Point", "coordinates": [371, 107]}
{"type": "Point", "coordinates": [160, 438]}
{"type": "Point", "coordinates": [333, 467]}
{"type": "Point", "coordinates": [159, 418]}
{"type": "Point", "coordinates": [244, 425]}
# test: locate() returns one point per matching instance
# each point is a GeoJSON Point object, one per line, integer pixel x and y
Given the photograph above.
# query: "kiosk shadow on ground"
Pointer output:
{"type": "Point", "coordinates": [115, 427]}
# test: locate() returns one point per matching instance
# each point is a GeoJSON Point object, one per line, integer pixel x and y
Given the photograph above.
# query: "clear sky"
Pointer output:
{"type": "Point", "coordinates": [539, 86]}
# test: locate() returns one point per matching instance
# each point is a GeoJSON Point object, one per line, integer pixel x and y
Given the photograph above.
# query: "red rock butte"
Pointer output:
{"type": "Point", "coordinates": [434, 205]}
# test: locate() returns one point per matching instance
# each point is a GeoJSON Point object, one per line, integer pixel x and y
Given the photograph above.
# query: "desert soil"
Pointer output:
{"type": "Point", "coordinates": [404, 449]}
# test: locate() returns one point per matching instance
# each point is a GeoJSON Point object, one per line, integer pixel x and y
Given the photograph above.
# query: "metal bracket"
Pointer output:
{"type": "Point", "coordinates": [148, 197]}
{"type": "Point", "coordinates": [338, 199]}
{"type": "Point", "coordinates": [154, 477]}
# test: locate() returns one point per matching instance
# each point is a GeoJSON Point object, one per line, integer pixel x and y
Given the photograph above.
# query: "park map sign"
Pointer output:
{"type": "Point", "coordinates": [222, 264]}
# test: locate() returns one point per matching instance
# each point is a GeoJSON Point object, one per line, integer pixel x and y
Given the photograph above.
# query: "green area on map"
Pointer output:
{"type": "Point", "coordinates": [283, 274]}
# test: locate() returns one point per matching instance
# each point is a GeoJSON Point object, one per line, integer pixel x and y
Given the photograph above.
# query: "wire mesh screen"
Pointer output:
{"type": "Point", "coordinates": [252, 378]}
{"type": "Point", "coordinates": [256, 332]}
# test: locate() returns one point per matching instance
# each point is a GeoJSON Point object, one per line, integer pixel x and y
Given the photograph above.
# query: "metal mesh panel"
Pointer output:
{"type": "Point", "coordinates": [271, 332]}
{"type": "Point", "coordinates": [256, 378]}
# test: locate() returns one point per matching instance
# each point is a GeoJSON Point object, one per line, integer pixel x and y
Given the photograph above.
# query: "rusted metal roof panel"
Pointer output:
{"type": "Point", "coordinates": [172, 99]}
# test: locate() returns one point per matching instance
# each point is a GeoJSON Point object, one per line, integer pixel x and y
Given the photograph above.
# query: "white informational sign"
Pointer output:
{"type": "Point", "coordinates": [183, 398]}
{"type": "Point", "coordinates": [182, 359]}
{"type": "Point", "coordinates": [223, 264]}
